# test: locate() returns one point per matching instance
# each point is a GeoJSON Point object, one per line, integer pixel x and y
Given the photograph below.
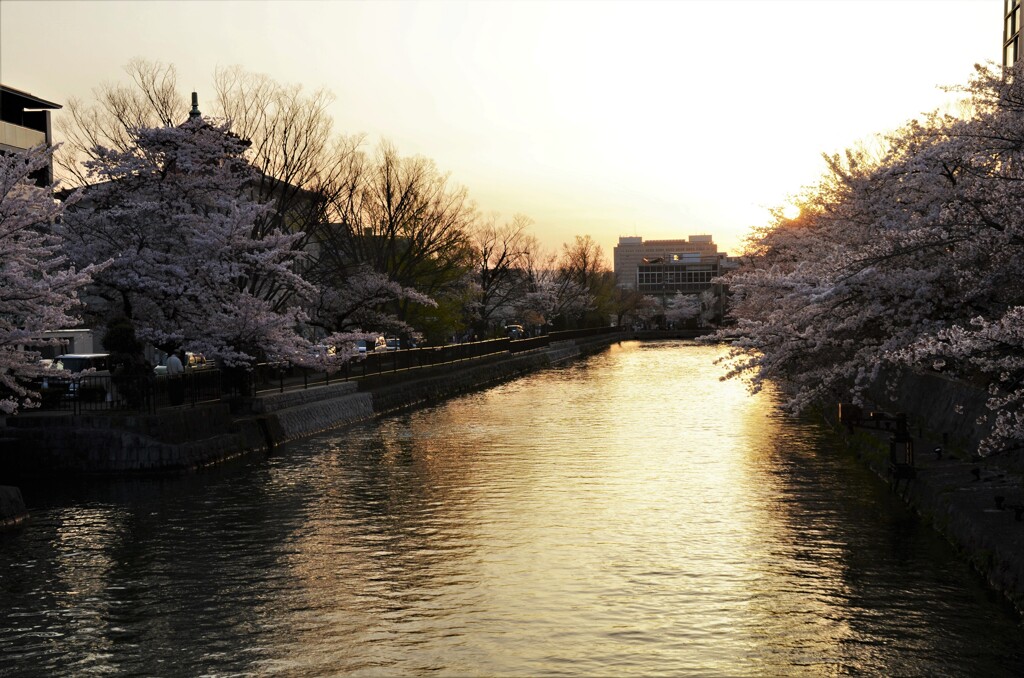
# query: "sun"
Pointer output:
{"type": "Point", "coordinates": [790, 212]}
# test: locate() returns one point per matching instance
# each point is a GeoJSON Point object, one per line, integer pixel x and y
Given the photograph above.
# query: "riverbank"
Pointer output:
{"type": "Point", "coordinates": [186, 438]}
{"type": "Point", "coordinates": [976, 503]}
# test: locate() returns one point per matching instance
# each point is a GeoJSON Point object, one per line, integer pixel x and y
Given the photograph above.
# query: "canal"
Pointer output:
{"type": "Point", "coordinates": [628, 514]}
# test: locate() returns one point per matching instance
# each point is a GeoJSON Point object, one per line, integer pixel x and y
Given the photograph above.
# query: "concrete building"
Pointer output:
{"type": "Point", "coordinates": [1011, 32]}
{"type": "Point", "coordinates": [24, 124]}
{"type": "Point", "coordinates": [664, 267]}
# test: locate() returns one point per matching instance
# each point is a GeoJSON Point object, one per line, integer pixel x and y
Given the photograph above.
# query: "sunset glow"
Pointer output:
{"type": "Point", "coordinates": [602, 118]}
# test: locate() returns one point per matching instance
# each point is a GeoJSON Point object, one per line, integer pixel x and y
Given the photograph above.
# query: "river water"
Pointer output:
{"type": "Point", "coordinates": [626, 514]}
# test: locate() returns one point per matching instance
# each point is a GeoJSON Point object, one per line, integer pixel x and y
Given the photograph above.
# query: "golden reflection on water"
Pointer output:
{"type": "Point", "coordinates": [629, 514]}
{"type": "Point", "coordinates": [599, 515]}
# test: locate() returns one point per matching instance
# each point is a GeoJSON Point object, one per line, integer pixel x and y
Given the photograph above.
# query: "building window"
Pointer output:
{"type": "Point", "coordinates": [1011, 32]}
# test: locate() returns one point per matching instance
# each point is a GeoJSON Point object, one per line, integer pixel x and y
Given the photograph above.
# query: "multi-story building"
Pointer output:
{"type": "Point", "coordinates": [1011, 32]}
{"type": "Point", "coordinates": [665, 267]}
{"type": "Point", "coordinates": [24, 124]}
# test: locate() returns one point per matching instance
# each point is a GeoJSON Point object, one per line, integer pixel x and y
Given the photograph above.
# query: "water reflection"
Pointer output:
{"type": "Point", "coordinates": [630, 514]}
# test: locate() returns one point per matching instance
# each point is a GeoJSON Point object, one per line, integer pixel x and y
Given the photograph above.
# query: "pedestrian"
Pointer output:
{"type": "Point", "coordinates": [175, 379]}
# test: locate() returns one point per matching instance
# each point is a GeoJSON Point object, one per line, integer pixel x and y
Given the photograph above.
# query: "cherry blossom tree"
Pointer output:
{"type": "Point", "coordinates": [174, 213]}
{"type": "Point", "coordinates": [832, 297]}
{"type": "Point", "coordinates": [905, 257]}
{"type": "Point", "coordinates": [682, 307]}
{"type": "Point", "coordinates": [38, 287]}
{"type": "Point", "coordinates": [358, 304]}
{"type": "Point", "coordinates": [301, 165]}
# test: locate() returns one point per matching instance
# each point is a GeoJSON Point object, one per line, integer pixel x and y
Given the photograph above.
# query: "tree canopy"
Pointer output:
{"type": "Point", "coordinates": [38, 285]}
{"type": "Point", "coordinates": [173, 213]}
{"type": "Point", "coordinates": [905, 258]}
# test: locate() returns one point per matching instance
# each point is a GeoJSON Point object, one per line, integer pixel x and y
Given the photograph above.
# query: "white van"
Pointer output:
{"type": "Point", "coordinates": [79, 362]}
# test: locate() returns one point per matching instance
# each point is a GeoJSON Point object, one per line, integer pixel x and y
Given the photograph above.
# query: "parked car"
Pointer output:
{"type": "Point", "coordinates": [79, 362]}
{"type": "Point", "coordinates": [515, 331]}
{"type": "Point", "coordinates": [91, 387]}
{"type": "Point", "coordinates": [392, 343]}
{"type": "Point", "coordinates": [53, 385]}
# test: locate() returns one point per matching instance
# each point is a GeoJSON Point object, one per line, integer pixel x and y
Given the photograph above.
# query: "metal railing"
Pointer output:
{"type": "Point", "coordinates": [136, 393]}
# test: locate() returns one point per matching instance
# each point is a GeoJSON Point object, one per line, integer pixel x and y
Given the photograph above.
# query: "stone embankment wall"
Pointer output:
{"type": "Point", "coordinates": [977, 503]}
{"type": "Point", "coordinates": [171, 440]}
{"type": "Point", "coordinates": [293, 414]}
{"type": "Point", "coordinates": [947, 408]}
{"type": "Point", "coordinates": [188, 438]}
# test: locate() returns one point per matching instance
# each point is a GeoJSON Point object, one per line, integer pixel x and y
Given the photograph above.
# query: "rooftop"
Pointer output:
{"type": "Point", "coordinates": [20, 99]}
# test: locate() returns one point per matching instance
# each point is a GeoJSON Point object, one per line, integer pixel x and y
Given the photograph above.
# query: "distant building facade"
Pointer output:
{"type": "Point", "coordinates": [666, 267]}
{"type": "Point", "coordinates": [1011, 32]}
{"type": "Point", "coordinates": [24, 124]}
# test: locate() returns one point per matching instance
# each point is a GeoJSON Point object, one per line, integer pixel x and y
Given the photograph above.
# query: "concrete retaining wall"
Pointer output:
{"type": "Point", "coordinates": [318, 416]}
{"type": "Point", "coordinates": [274, 402]}
{"type": "Point", "coordinates": [417, 392]}
{"type": "Point", "coordinates": [174, 440]}
{"type": "Point", "coordinates": [562, 351]}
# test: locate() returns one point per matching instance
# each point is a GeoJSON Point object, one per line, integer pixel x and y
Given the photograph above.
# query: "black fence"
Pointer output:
{"type": "Point", "coordinates": [147, 393]}
{"type": "Point", "coordinates": [139, 393]}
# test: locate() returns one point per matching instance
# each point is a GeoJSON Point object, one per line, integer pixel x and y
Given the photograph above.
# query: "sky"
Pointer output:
{"type": "Point", "coordinates": [654, 119]}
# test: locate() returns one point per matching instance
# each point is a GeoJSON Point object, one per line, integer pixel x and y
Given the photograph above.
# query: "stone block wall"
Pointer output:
{"type": "Point", "coordinates": [279, 401]}
{"type": "Point", "coordinates": [947, 408]}
{"type": "Point", "coordinates": [318, 416]}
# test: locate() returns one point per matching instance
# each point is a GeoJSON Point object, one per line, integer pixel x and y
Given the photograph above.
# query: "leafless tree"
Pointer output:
{"type": "Point", "coordinates": [302, 167]}
{"type": "Point", "coordinates": [501, 256]}
{"type": "Point", "coordinates": [585, 282]}
{"type": "Point", "coordinates": [151, 100]}
{"type": "Point", "coordinates": [399, 216]}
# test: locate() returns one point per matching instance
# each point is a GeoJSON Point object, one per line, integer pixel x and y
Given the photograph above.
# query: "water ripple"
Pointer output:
{"type": "Point", "coordinates": [625, 515]}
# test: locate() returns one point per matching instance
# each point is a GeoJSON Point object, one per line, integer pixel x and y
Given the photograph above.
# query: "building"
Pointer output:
{"type": "Point", "coordinates": [665, 267]}
{"type": "Point", "coordinates": [1011, 32]}
{"type": "Point", "coordinates": [24, 124]}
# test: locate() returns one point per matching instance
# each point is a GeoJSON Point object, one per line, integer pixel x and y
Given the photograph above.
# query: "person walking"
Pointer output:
{"type": "Point", "coordinates": [175, 379]}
